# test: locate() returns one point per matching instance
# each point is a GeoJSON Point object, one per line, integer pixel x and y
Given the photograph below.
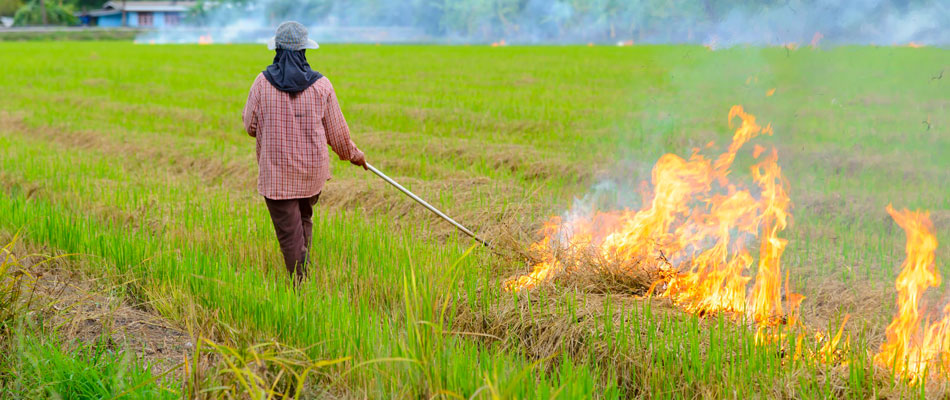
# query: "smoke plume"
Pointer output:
{"type": "Point", "coordinates": [710, 22]}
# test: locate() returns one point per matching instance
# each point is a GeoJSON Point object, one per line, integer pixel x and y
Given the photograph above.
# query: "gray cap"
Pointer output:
{"type": "Point", "coordinates": [291, 35]}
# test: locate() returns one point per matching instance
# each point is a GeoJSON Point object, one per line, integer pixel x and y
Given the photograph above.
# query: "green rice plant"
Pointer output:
{"type": "Point", "coordinates": [36, 363]}
{"type": "Point", "coordinates": [462, 361]}
{"type": "Point", "coordinates": [46, 368]}
{"type": "Point", "coordinates": [477, 130]}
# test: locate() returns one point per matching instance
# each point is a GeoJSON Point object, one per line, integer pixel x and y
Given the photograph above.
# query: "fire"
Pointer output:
{"type": "Point", "coordinates": [499, 43]}
{"type": "Point", "coordinates": [693, 231]}
{"type": "Point", "coordinates": [770, 92]}
{"type": "Point", "coordinates": [915, 45]}
{"type": "Point", "coordinates": [910, 349]}
{"type": "Point", "coordinates": [766, 300]}
{"type": "Point", "coordinates": [205, 39]}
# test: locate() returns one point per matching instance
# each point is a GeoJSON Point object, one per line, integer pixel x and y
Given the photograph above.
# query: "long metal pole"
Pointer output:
{"type": "Point", "coordinates": [426, 205]}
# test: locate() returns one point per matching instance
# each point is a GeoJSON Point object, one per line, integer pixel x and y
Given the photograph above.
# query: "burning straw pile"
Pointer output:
{"type": "Point", "coordinates": [691, 236]}
{"type": "Point", "coordinates": [690, 243]}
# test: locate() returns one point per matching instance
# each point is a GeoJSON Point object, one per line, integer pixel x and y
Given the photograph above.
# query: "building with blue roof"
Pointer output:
{"type": "Point", "coordinates": [137, 14]}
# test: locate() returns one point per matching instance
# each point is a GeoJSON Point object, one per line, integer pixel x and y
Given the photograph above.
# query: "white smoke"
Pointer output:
{"type": "Point", "coordinates": [573, 21]}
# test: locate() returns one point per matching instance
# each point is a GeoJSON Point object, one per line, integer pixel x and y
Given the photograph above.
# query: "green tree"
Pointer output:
{"type": "Point", "coordinates": [56, 14]}
{"type": "Point", "coordinates": [9, 7]}
{"type": "Point", "coordinates": [86, 4]}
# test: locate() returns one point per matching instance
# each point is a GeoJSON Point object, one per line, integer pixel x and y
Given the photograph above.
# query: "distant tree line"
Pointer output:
{"type": "Point", "coordinates": [57, 12]}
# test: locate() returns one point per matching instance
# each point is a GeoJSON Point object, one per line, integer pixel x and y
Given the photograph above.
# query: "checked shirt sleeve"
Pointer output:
{"type": "Point", "coordinates": [338, 133]}
{"type": "Point", "coordinates": [250, 113]}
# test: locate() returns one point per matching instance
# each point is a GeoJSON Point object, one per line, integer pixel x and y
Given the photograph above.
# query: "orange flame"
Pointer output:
{"type": "Point", "coordinates": [205, 39]}
{"type": "Point", "coordinates": [907, 352]}
{"type": "Point", "coordinates": [695, 225]}
{"type": "Point", "coordinates": [770, 92]}
{"type": "Point", "coordinates": [915, 45]}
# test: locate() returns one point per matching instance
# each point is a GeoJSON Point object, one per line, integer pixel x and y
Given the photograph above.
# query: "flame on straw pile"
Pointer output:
{"type": "Point", "coordinates": [694, 230]}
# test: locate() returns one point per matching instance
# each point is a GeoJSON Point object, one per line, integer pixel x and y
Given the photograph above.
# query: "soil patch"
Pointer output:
{"type": "Point", "coordinates": [81, 308]}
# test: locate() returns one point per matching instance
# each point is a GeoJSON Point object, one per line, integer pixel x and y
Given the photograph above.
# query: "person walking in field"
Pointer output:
{"type": "Point", "coordinates": [293, 113]}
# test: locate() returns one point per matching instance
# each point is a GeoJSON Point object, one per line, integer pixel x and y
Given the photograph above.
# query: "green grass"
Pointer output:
{"type": "Point", "coordinates": [36, 362]}
{"type": "Point", "coordinates": [46, 368]}
{"type": "Point", "coordinates": [134, 154]}
{"type": "Point", "coordinates": [90, 34]}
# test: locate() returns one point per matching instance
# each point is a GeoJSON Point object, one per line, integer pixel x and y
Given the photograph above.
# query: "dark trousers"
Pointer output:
{"type": "Point", "coordinates": [293, 224]}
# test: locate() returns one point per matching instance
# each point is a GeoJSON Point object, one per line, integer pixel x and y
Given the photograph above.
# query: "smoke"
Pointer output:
{"type": "Point", "coordinates": [711, 22]}
{"type": "Point", "coordinates": [851, 22]}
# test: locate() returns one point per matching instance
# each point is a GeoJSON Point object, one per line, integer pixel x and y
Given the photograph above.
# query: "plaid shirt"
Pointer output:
{"type": "Point", "coordinates": [292, 135]}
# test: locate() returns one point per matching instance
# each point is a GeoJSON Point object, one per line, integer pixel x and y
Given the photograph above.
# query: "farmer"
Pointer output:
{"type": "Point", "coordinates": [293, 112]}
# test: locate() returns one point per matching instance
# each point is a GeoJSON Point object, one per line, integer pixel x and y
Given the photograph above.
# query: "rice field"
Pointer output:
{"type": "Point", "coordinates": [133, 159]}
